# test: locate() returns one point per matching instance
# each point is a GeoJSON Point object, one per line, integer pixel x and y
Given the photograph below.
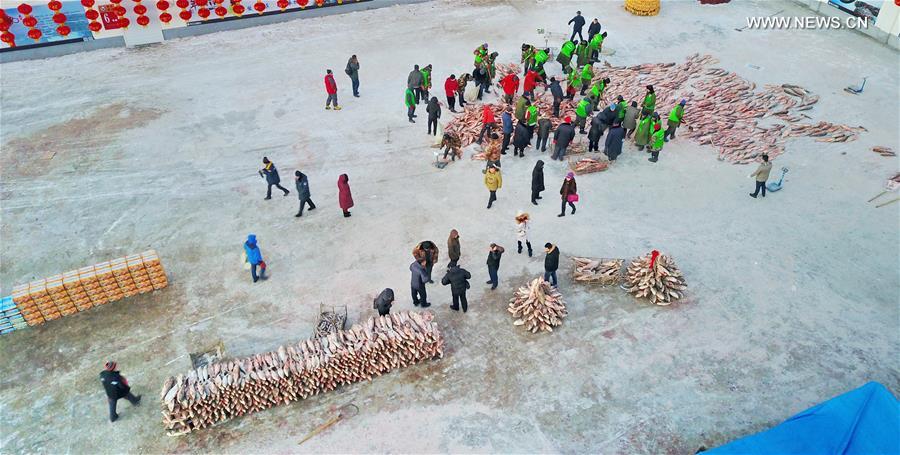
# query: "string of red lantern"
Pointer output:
{"type": "Point", "coordinates": [164, 16]}
{"type": "Point", "coordinates": [29, 21]}
{"type": "Point", "coordinates": [141, 12]}
{"type": "Point", "coordinates": [5, 23]}
{"type": "Point", "coordinates": [202, 10]}
{"type": "Point", "coordinates": [220, 10]}
{"type": "Point", "coordinates": [120, 12]}
{"type": "Point", "coordinates": [237, 8]}
{"type": "Point", "coordinates": [91, 14]}
{"type": "Point", "coordinates": [259, 6]}
{"type": "Point", "coordinates": [185, 15]}
{"type": "Point", "coordinates": [59, 18]}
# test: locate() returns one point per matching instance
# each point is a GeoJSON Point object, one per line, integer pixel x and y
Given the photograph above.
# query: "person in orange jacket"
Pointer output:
{"type": "Point", "coordinates": [331, 88]}
{"type": "Point", "coordinates": [530, 83]}
{"type": "Point", "coordinates": [487, 117]}
{"type": "Point", "coordinates": [451, 85]}
{"type": "Point", "coordinates": [510, 85]}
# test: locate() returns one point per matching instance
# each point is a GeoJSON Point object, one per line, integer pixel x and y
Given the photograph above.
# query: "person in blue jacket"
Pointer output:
{"type": "Point", "coordinates": [254, 257]}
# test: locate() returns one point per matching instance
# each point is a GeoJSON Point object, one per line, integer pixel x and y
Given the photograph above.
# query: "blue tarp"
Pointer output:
{"type": "Point", "coordinates": [862, 421]}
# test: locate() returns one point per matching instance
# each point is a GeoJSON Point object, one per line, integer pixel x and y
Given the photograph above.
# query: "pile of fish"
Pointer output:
{"type": "Point", "coordinates": [329, 322]}
{"type": "Point", "coordinates": [602, 271]}
{"type": "Point", "coordinates": [656, 277]}
{"type": "Point", "coordinates": [587, 165]}
{"type": "Point", "coordinates": [214, 393]}
{"type": "Point", "coordinates": [725, 110]}
{"type": "Point", "coordinates": [883, 151]}
{"type": "Point", "coordinates": [538, 306]}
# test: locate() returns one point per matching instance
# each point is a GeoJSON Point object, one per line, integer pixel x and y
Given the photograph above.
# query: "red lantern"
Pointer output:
{"type": "Point", "coordinates": [29, 21]}
{"type": "Point", "coordinates": [24, 8]}
{"type": "Point", "coordinates": [63, 30]}
{"type": "Point", "coordinates": [54, 5]}
{"type": "Point", "coordinates": [201, 3]}
{"type": "Point", "coordinates": [185, 15]}
{"type": "Point", "coordinates": [259, 6]}
{"type": "Point", "coordinates": [87, 3]}
{"type": "Point", "coordinates": [183, 4]}
{"type": "Point", "coordinates": [320, 2]}
{"type": "Point", "coordinates": [4, 25]}
{"type": "Point", "coordinates": [140, 10]}
{"type": "Point", "coordinates": [91, 14]}
{"type": "Point", "coordinates": [59, 18]}
{"type": "Point", "coordinates": [115, 1]}
{"type": "Point", "coordinates": [162, 5]}
{"type": "Point", "coordinates": [303, 3]}
{"type": "Point", "coordinates": [124, 22]}
{"type": "Point", "coordinates": [203, 13]}
{"type": "Point", "coordinates": [165, 18]}
{"type": "Point", "coordinates": [283, 4]}
{"type": "Point", "coordinates": [35, 34]}
{"type": "Point", "coordinates": [8, 38]}
{"type": "Point", "coordinates": [120, 10]}
{"type": "Point", "coordinates": [143, 21]}
{"type": "Point", "coordinates": [238, 9]}
{"type": "Point", "coordinates": [95, 26]}
{"type": "Point", "coordinates": [221, 11]}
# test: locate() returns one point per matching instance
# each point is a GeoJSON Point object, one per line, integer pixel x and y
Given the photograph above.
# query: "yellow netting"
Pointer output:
{"type": "Point", "coordinates": [642, 7]}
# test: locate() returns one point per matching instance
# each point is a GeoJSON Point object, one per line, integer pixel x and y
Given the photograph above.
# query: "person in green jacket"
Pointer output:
{"type": "Point", "coordinates": [596, 45]}
{"type": "Point", "coordinates": [656, 143]}
{"type": "Point", "coordinates": [565, 55]}
{"type": "Point", "coordinates": [480, 53]}
{"type": "Point", "coordinates": [642, 133]}
{"type": "Point", "coordinates": [649, 101]}
{"type": "Point", "coordinates": [574, 82]}
{"type": "Point", "coordinates": [531, 119]}
{"type": "Point", "coordinates": [581, 113]}
{"type": "Point", "coordinates": [621, 109]}
{"type": "Point", "coordinates": [676, 115]}
{"type": "Point", "coordinates": [527, 57]}
{"type": "Point", "coordinates": [583, 52]}
{"type": "Point", "coordinates": [521, 107]}
{"type": "Point", "coordinates": [587, 75]}
{"type": "Point", "coordinates": [410, 105]}
{"type": "Point", "coordinates": [426, 81]}
{"type": "Point", "coordinates": [597, 92]}
{"type": "Point", "coordinates": [541, 57]}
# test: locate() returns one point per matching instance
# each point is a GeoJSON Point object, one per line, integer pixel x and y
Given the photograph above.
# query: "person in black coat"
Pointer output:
{"type": "Point", "coordinates": [557, 92]}
{"type": "Point", "coordinates": [434, 113]}
{"type": "Point", "coordinates": [493, 264]}
{"type": "Point", "coordinates": [116, 387]}
{"type": "Point", "coordinates": [458, 279]}
{"type": "Point", "coordinates": [383, 302]}
{"type": "Point", "coordinates": [303, 192]}
{"type": "Point", "coordinates": [520, 139]}
{"type": "Point", "coordinates": [594, 29]}
{"type": "Point", "coordinates": [577, 23]}
{"type": "Point", "coordinates": [537, 181]}
{"type": "Point", "coordinates": [595, 133]}
{"type": "Point", "coordinates": [613, 146]}
{"type": "Point", "coordinates": [551, 263]}
{"type": "Point", "coordinates": [270, 173]}
{"type": "Point", "coordinates": [543, 134]}
{"type": "Point", "coordinates": [564, 135]}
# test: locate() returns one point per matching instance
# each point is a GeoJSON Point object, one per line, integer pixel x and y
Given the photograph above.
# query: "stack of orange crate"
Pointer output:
{"type": "Point", "coordinates": [78, 290]}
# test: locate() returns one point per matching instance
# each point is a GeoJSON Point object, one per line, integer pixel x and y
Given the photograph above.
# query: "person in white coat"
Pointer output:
{"type": "Point", "coordinates": [523, 223]}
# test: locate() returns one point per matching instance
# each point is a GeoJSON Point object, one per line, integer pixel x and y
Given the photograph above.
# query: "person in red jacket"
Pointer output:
{"type": "Point", "coordinates": [451, 85]}
{"type": "Point", "coordinates": [345, 199]}
{"type": "Point", "coordinates": [487, 117]}
{"type": "Point", "coordinates": [530, 83]}
{"type": "Point", "coordinates": [510, 85]}
{"type": "Point", "coordinates": [331, 88]}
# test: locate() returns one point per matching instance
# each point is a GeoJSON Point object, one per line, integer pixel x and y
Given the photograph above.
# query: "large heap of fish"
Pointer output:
{"type": "Point", "coordinates": [213, 393]}
{"type": "Point", "coordinates": [538, 306]}
{"type": "Point", "coordinates": [725, 110]}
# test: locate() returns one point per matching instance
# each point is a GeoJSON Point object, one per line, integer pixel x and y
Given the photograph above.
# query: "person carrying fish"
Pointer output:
{"type": "Point", "coordinates": [410, 100]}
{"type": "Point", "coordinates": [762, 174]}
{"type": "Point", "coordinates": [527, 57]}
{"type": "Point", "coordinates": [581, 113]}
{"type": "Point", "coordinates": [656, 143]}
{"type": "Point", "coordinates": [493, 181]}
{"type": "Point", "coordinates": [565, 55]}
{"type": "Point", "coordinates": [489, 122]}
{"type": "Point", "coordinates": [587, 75]}
{"type": "Point", "coordinates": [649, 101]}
{"type": "Point", "coordinates": [676, 116]}
{"type": "Point", "coordinates": [642, 132]}
{"type": "Point", "coordinates": [574, 81]}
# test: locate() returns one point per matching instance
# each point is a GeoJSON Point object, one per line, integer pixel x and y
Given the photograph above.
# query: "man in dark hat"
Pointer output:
{"type": "Point", "coordinates": [577, 23]}
{"type": "Point", "coordinates": [116, 387]}
{"type": "Point", "coordinates": [270, 173]}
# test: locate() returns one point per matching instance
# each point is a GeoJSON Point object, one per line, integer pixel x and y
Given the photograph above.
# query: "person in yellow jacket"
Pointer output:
{"type": "Point", "coordinates": [493, 181]}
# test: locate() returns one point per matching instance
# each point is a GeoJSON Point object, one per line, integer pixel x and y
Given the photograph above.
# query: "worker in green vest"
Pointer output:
{"type": "Point", "coordinates": [597, 92]}
{"type": "Point", "coordinates": [649, 101]}
{"type": "Point", "coordinates": [581, 113]}
{"type": "Point", "coordinates": [596, 45]}
{"type": "Point", "coordinates": [527, 57]}
{"type": "Point", "coordinates": [621, 109]}
{"type": "Point", "coordinates": [642, 132]}
{"type": "Point", "coordinates": [583, 52]}
{"type": "Point", "coordinates": [426, 81]}
{"type": "Point", "coordinates": [676, 115]}
{"type": "Point", "coordinates": [565, 55]}
{"type": "Point", "coordinates": [541, 57]}
{"type": "Point", "coordinates": [587, 74]}
{"type": "Point", "coordinates": [656, 143]}
{"type": "Point", "coordinates": [574, 83]}
{"type": "Point", "coordinates": [531, 119]}
{"type": "Point", "coordinates": [480, 53]}
{"type": "Point", "coordinates": [410, 105]}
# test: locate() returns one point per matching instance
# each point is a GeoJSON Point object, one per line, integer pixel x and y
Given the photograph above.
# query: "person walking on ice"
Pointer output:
{"type": "Point", "coordinates": [270, 173]}
{"type": "Point", "coordinates": [523, 224]}
{"type": "Point", "coordinates": [551, 263]}
{"type": "Point", "coordinates": [331, 89]}
{"type": "Point", "coordinates": [345, 199]}
{"type": "Point", "coordinates": [493, 181]}
{"type": "Point", "coordinates": [302, 183]}
{"type": "Point", "coordinates": [762, 174]}
{"type": "Point", "coordinates": [568, 193]}
{"type": "Point", "coordinates": [116, 387]}
{"type": "Point", "coordinates": [253, 256]}
{"type": "Point", "coordinates": [458, 279]}
{"type": "Point", "coordinates": [493, 264]}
